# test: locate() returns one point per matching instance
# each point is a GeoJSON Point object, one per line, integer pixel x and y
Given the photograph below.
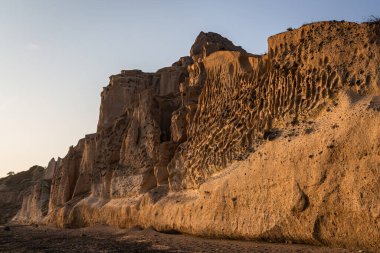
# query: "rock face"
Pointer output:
{"type": "Point", "coordinates": [281, 146]}
{"type": "Point", "coordinates": [299, 77]}
{"type": "Point", "coordinates": [35, 201]}
{"type": "Point", "coordinates": [208, 43]}
{"type": "Point", "coordinates": [15, 189]}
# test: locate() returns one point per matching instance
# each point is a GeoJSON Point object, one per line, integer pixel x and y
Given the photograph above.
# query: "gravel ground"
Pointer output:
{"type": "Point", "coordinates": [108, 239]}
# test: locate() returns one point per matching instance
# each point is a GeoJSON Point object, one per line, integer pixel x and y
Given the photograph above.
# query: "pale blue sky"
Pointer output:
{"type": "Point", "coordinates": [55, 56]}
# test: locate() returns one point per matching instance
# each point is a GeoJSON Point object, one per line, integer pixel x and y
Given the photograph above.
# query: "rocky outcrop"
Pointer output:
{"type": "Point", "coordinates": [208, 43]}
{"type": "Point", "coordinates": [35, 202]}
{"type": "Point", "coordinates": [14, 189]}
{"type": "Point", "coordinates": [282, 146]}
{"type": "Point", "coordinates": [325, 192]}
{"type": "Point", "coordinates": [257, 95]}
{"type": "Point", "coordinates": [131, 151]}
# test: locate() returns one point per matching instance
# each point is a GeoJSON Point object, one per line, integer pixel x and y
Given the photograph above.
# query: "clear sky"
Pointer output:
{"type": "Point", "coordinates": [55, 56]}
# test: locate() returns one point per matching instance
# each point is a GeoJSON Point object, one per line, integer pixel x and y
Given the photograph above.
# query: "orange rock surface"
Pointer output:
{"type": "Point", "coordinates": [223, 143]}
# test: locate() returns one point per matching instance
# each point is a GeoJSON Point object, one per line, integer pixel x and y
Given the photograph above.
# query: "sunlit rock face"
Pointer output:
{"type": "Point", "coordinates": [281, 146]}
{"type": "Point", "coordinates": [245, 98]}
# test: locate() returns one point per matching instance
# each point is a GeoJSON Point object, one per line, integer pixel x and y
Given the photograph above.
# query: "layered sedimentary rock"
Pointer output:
{"type": "Point", "coordinates": [281, 146]}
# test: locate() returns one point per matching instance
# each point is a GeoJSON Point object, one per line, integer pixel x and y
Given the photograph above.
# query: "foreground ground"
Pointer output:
{"type": "Point", "coordinates": [107, 239]}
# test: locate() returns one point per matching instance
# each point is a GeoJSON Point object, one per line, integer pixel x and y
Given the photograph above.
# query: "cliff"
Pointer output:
{"type": "Point", "coordinates": [223, 143]}
{"type": "Point", "coordinates": [14, 189]}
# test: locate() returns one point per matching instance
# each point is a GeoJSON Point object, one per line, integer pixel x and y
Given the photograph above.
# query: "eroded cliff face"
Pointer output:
{"type": "Point", "coordinates": [35, 201]}
{"type": "Point", "coordinates": [281, 146]}
{"type": "Point", "coordinates": [15, 189]}
{"type": "Point", "coordinates": [258, 96]}
{"type": "Point", "coordinates": [130, 152]}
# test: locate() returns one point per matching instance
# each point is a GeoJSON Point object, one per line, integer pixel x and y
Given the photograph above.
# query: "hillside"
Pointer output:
{"type": "Point", "coordinates": [283, 146]}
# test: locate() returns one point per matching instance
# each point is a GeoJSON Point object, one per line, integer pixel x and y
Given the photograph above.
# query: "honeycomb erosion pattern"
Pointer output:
{"type": "Point", "coordinates": [162, 133]}
{"type": "Point", "coordinates": [177, 127]}
{"type": "Point", "coordinates": [246, 97]}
